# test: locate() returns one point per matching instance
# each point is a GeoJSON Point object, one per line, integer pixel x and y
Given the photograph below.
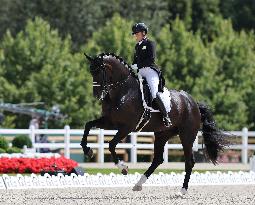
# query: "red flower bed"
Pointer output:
{"type": "Point", "coordinates": [35, 165]}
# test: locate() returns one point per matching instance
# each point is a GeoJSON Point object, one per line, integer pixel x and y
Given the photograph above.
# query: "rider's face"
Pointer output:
{"type": "Point", "coordinates": [139, 36]}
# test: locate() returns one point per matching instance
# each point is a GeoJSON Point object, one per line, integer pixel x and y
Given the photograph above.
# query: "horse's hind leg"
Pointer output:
{"type": "Point", "coordinates": [187, 140]}
{"type": "Point", "coordinates": [159, 143]}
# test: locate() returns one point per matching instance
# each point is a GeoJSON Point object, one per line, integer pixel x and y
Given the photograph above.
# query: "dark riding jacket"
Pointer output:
{"type": "Point", "coordinates": [145, 55]}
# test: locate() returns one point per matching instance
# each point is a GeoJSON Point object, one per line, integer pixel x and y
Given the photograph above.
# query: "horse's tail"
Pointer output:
{"type": "Point", "coordinates": [214, 139]}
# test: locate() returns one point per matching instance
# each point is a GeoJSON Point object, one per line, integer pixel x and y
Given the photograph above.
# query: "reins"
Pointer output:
{"type": "Point", "coordinates": [108, 87]}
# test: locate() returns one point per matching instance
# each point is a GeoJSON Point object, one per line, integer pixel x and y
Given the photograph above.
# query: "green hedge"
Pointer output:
{"type": "Point", "coordinates": [11, 150]}
{"type": "Point", "coordinates": [2, 150]}
{"type": "Point", "coordinates": [21, 140]}
{"type": "Point", "coordinates": [3, 143]}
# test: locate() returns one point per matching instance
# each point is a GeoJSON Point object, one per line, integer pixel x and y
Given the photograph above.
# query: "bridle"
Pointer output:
{"type": "Point", "coordinates": [104, 84]}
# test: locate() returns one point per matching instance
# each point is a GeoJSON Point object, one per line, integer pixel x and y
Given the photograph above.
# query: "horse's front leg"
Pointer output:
{"type": "Point", "coordinates": [121, 134]}
{"type": "Point", "coordinates": [99, 123]}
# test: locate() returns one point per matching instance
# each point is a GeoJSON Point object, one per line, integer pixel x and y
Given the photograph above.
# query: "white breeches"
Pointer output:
{"type": "Point", "coordinates": [152, 78]}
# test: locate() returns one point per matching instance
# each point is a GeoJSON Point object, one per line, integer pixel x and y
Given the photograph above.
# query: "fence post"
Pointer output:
{"type": "Point", "coordinates": [32, 135]}
{"type": "Point", "coordinates": [166, 152]}
{"type": "Point", "coordinates": [101, 145]}
{"type": "Point", "coordinates": [133, 149]}
{"type": "Point", "coordinates": [245, 145]}
{"type": "Point", "coordinates": [195, 144]}
{"type": "Point", "coordinates": [67, 141]}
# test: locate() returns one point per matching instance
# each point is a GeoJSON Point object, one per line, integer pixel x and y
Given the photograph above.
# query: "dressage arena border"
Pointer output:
{"type": "Point", "coordinates": [116, 180]}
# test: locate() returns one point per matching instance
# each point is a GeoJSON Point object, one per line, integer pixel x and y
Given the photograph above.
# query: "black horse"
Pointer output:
{"type": "Point", "coordinates": [122, 108]}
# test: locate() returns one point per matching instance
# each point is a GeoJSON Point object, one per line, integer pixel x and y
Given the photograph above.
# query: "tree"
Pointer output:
{"type": "Point", "coordinates": [203, 17]}
{"type": "Point", "coordinates": [42, 68]}
{"type": "Point", "coordinates": [181, 9]}
{"type": "Point", "coordinates": [153, 13]}
{"type": "Point", "coordinates": [78, 18]}
{"type": "Point", "coordinates": [235, 53]}
{"type": "Point", "coordinates": [241, 12]}
{"type": "Point", "coordinates": [181, 56]}
{"type": "Point", "coordinates": [209, 72]}
{"type": "Point", "coordinates": [7, 90]}
{"type": "Point", "coordinates": [113, 38]}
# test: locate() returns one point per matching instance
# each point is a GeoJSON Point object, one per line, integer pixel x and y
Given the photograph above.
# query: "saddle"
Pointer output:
{"type": "Point", "coordinates": [148, 100]}
{"type": "Point", "coordinates": [147, 95]}
{"type": "Point", "coordinates": [149, 104]}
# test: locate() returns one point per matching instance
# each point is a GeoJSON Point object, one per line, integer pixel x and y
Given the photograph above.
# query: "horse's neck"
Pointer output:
{"type": "Point", "coordinates": [126, 93]}
{"type": "Point", "coordinates": [123, 89]}
{"type": "Point", "coordinates": [124, 73]}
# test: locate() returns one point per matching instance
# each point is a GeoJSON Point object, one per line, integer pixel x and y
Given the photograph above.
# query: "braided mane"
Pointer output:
{"type": "Point", "coordinates": [120, 59]}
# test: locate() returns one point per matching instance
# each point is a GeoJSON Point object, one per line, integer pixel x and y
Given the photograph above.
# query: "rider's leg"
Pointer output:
{"type": "Point", "coordinates": [152, 78]}
{"type": "Point", "coordinates": [153, 81]}
{"type": "Point", "coordinates": [163, 110]}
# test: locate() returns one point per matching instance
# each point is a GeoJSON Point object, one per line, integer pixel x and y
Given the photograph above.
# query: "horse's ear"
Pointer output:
{"type": "Point", "coordinates": [108, 66]}
{"type": "Point", "coordinates": [88, 57]}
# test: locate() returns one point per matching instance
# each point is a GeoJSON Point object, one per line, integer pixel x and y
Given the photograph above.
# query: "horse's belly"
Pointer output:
{"type": "Point", "coordinates": [155, 124]}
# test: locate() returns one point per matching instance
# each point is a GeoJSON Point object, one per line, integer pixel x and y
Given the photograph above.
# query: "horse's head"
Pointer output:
{"type": "Point", "coordinates": [107, 70]}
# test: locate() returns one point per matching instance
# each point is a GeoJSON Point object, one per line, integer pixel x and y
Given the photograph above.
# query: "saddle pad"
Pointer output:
{"type": "Point", "coordinates": [166, 98]}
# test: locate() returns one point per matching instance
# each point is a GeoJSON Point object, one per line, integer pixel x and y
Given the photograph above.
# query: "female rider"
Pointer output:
{"type": "Point", "coordinates": [144, 61]}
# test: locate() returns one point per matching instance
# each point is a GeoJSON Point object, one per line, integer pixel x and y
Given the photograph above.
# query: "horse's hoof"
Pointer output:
{"type": "Point", "coordinates": [183, 191]}
{"type": "Point", "coordinates": [90, 153]}
{"type": "Point", "coordinates": [124, 171]}
{"type": "Point", "coordinates": [137, 188]}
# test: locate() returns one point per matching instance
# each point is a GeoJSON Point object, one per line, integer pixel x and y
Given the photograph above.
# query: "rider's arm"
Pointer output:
{"type": "Point", "coordinates": [134, 64]}
{"type": "Point", "coordinates": [151, 53]}
{"type": "Point", "coordinates": [135, 59]}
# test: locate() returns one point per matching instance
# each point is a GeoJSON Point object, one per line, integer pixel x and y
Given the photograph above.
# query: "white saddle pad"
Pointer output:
{"type": "Point", "coordinates": [165, 96]}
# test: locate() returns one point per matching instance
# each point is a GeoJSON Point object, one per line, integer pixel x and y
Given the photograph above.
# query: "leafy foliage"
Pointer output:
{"type": "Point", "coordinates": [3, 143]}
{"type": "Point", "coordinates": [21, 140]}
{"type": "Point", "coordinates": [2, 150]}
{"type": "Point", "coordinates": [241, 12]}
{"type": "Point", "coordinates": [111, 38]}
{"type": "Point", "coordinates": [219, 73]}
{"type": "Point", "coordinates": [11, 150]}
{"type": "Point", "coordinates": [40, 66]}
{"type": "Point", "coordinates": [78, 18]}
{"type": "Point", "coordinates": [198, 50]}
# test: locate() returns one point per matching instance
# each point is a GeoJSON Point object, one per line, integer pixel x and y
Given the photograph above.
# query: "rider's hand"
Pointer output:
{"type": "Point", "coordinates": [134, 67]}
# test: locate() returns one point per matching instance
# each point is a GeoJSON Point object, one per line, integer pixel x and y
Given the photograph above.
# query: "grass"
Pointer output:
{"type": "Point", "coordinates": [141, 171]}
{"type": "Point", "coordinates": [115, 171]}
{"type": "Point", "coordinates": [132, 171]}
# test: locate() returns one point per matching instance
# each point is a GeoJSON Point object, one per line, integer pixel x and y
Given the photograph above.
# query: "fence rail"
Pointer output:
{"type": "Point", "coordinates": [133, 145]}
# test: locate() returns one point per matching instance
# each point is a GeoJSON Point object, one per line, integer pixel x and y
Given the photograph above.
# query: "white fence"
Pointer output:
{"type": "Point", "coordinates": [133, 145]}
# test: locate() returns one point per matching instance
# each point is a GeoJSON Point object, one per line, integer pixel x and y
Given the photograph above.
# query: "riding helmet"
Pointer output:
{"type": "Point", "coordinates": [139, 27]}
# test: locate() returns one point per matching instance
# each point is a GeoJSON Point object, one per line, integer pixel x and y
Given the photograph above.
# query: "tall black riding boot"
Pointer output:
{"type": "Point", "coordinates": [162, 109]}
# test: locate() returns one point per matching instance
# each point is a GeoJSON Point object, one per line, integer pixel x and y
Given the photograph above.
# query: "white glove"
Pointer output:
{"type": "Point", "coordinates": [134, 67]}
